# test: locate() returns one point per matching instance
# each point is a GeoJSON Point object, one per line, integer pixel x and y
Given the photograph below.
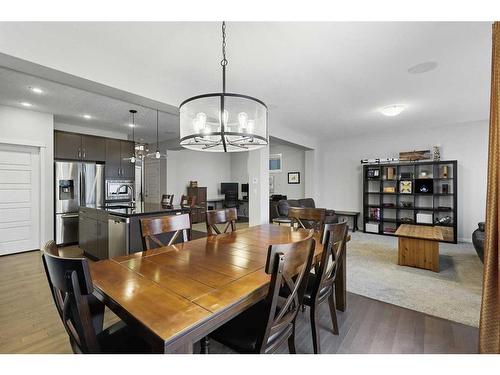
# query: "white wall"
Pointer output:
{"type": "Point", "coordinates": [22, 127]}
{"type": "Point", "coordinates": [292, 160]}
{"type": "Point", "coordinates": [89, 131]}
{"type": "Point", "coordinates": [341, 184]}
{"type": "Point", "coordinates": [208, 168]}
{"type": "Point", "coordinates": [239, 169]}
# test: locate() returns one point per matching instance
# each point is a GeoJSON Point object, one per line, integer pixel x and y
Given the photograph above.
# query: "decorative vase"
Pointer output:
{"type": "Point", "coordinates": [436, 152]}
{"type": "Point", "coordinates": [478, 240]}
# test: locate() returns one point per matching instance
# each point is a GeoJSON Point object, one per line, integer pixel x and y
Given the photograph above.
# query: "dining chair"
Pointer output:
{"type": "Point", "coordinates": [321, 284]}
{"type": "Point", "coordinates": [188, 201]}
{"type": "Point", "coordinates": [231, 199]}
{"type": "Point", "coordinates": [226, 216]}
{"type": "Point", "coordinates": [265, 326]}
{"type": "Point", "coordinates": [307, 218]}
{"type": "Point", "coordinates": [81, 313]}
{"type": "Point", "coordinates": [167, 199]}
{"type": "Point", "coordinates": [151, 228]}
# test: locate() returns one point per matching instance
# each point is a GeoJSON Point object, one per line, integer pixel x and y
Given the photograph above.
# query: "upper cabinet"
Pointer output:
{"type": "Point", "coordinates": [117, 165]}
{"type": "Point", "coordinates": [74, 146]}
{"type": "Point", "coordinates": [93, 148]}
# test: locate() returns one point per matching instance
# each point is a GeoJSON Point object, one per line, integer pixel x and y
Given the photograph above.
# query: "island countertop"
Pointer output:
{"type": "Point", "coordinates": [139, 209]}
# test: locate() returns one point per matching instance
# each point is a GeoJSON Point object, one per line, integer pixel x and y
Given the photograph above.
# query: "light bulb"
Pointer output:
{"type": "Point", "coordinates": [250, 126]}
{"type": "Point", "coordinates": [157, 154]}
{"type": "Point", "coordinates": [243, 120]}
{"type": "Point", "coordinates": [200, 121]}
{"type": "Point", "coordinates": [225, 117]}
{"type": "Point", "coordinates": [132, 159]}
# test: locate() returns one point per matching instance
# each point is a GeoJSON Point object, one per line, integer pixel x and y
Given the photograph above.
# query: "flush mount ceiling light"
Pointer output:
{"type": "Point", "coordinates": [157, 154]}
{"type": "Point", "coordinates": [423, 67]}
{"type": "Point", "coordinates": [392, 110]}
{"type": "Point", "coordinates": [36, 90]}
{"type": "Point", "coordinates": [223, 122]}
{"type": "Point", "coordinates": [26, 104]}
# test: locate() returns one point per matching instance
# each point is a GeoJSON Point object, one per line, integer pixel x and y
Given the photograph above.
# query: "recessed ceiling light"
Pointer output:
{"type": "Point", "coordinates": [392, 110]}
{"type": "Point", "coordinates": [423, 67]}
{"type": "Point", "coordinates": [36, 90]}
{"type": "Point", "coordinates": [26, 104]}
{"type": "Point", "coordinates": [87, 117]}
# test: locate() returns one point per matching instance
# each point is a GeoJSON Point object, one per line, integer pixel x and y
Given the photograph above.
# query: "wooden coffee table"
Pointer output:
{"type": "Point", "coordinates": [418, 246]}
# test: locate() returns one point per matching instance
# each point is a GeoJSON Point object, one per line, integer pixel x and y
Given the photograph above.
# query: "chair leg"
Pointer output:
{"type": "Point", "coordinates": [315, 329]}
{"type": "Point", "coordinates": [291, 342]}
{"type": "Point", "coordinates": [205, 345]}
{"type": "Point", "coordinates": [333, 312]}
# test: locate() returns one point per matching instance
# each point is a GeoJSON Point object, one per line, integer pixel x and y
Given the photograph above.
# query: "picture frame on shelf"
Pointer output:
{"type": "Point", "coordinates": [405, 187]}
{"type": "Point", "coordinates": [294, 177]}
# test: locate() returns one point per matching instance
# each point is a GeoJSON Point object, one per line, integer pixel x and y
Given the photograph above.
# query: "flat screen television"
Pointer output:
{"type": "Point", "coordinates": [228, 186]}
{"type": "Point", "coordinates": [244, 188]}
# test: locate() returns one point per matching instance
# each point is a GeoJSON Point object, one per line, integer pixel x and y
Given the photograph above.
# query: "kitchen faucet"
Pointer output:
{"type": "Point", "coordinates": [127, 187]}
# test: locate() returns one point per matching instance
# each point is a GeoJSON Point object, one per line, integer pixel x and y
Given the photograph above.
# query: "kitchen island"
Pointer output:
{"type": "Point", "coordinates": [115, 229]}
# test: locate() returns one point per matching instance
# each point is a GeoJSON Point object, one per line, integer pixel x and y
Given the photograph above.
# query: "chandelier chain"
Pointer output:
{"type": "Point", "coordinates": [224, 60]}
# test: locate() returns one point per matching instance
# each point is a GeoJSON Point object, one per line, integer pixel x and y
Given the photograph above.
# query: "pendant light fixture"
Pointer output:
{"type": "Point", "coordinates": [133, 157]}
{"type": "Point", "coordinates": [157, 154]}
{"type": "Point", "coordinates": [223, 122]}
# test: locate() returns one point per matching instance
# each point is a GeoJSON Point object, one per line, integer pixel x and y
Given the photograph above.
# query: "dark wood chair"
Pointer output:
{"type": "Point", "coordinates": [231, 199]}
{"type": "Point", "coordinates": [321, 285]}
{"type": "Point", "coordinates": [81, 313]}
{"type": "Point", "coordinates": [151, 228]}
{"type": "Point", "coordinates": [188, 201]}
{"type": "Point", "coordinates": [265, 326]}
{"type": "Point", "coordinates": [167, 199]}
{"type": "Point", "coordinates": [307, 218]}
{"type": "Point", "coordinates": [227, 216]}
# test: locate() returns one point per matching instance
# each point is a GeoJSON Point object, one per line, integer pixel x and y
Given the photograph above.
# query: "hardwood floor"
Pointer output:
{"type": "Point", "coordinates": [29, 322]}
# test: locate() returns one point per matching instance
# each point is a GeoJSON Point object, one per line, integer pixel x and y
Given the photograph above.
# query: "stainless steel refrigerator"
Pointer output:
{"type": "Point", "coordinates": [76, 184]}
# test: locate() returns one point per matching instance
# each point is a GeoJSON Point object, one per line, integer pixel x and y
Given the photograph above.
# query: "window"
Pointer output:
{"type": "Point", "coordinates": [275, 163]}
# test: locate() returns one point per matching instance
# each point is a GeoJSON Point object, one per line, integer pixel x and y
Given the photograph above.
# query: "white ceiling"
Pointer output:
{"type": "Point", "coordinates": [325, 79]}
{"type": "Point", "coordinates": [69, 104]}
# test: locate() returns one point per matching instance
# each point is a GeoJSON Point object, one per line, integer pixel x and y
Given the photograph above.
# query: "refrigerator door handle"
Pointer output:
{"type": "Point", "coordinates": [82, 185]}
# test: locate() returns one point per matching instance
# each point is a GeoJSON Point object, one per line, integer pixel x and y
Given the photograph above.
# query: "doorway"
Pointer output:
{"type": "Point", "coordinates": [19, 198]}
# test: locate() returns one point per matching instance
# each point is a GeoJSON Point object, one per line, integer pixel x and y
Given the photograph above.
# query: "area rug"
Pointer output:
{"type": "Point", "coordinates": [454, 293]}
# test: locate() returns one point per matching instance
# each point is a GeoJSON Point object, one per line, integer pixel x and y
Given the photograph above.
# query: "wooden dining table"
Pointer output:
{"type": "Point", "coordinates": [173, 296]}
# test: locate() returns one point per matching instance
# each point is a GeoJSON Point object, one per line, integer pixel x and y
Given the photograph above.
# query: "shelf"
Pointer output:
{"type": "Point", "coordinates": [421, 202]}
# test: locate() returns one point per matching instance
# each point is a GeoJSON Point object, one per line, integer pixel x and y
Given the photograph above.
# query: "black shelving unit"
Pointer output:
{"type": "Point", "coordinates": [438, 203]}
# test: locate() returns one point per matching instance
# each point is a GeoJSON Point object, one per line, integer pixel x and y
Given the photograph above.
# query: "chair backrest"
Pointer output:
{"type": "Point", "coordinates": [71, 285]}
{"type": "Point", "coordinates": [226, 216]}
{"type": "Point", "coordinates": [167, 199]}
{"type": "Point", "coordinates": [308, 218]}
{"type": "Point", "coordinates": [283, 206]}
{"type": "Point", "coordinates": [188, 201]}
{"type": "Point", "coordinates": [289, 266]}
{"type": "Point", "coordinates": [307, 202]}
{"type": "Point", "coordinates": [231, 198]}
{"type": "Point", "coordinates": [152, 227]}
{"type": "Point", "coordinates": [334, 240]}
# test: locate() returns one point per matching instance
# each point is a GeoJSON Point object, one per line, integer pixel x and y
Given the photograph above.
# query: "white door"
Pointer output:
{"type": "Point", "coordinates": [152, 181]}
{"type": "Point", "coordinates": [19, 198]}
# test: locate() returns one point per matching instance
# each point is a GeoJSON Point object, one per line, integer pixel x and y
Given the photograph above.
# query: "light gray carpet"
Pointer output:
{"type": "Point", "coordinates": [454, 293]}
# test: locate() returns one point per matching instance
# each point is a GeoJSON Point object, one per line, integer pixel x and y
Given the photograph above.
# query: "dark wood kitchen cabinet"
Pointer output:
{"type": "Point", "coordinates": [116, 166]}
{"type": "Point", "coordinates": [93, 148]}
{"type": "Point", "coordinates": [128, 168]}
{"type": "Point", "coordinates": [67, 145]}
{"type": "Point", "coordinates": [75, 146]}
{"type": "Point", "coordinates": [93, 232]}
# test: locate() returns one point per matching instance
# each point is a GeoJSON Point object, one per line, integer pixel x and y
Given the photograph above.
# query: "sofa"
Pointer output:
{"type": "Point", "coordinates": [284, 204]}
